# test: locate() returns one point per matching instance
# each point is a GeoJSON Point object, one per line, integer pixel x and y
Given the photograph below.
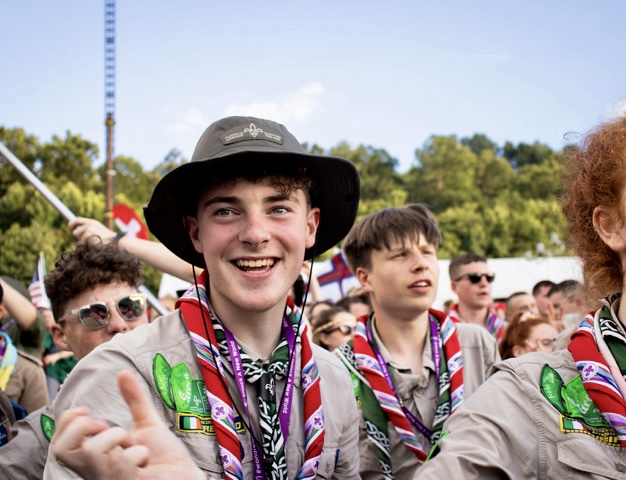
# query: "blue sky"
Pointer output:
{"type": "Point", "coordinates": [387, 74]}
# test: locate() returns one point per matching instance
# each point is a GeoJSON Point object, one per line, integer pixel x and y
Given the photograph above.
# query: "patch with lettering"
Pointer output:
{"type": "Point", "coordinates": [47, 426]}
{"type": "Point", "coordinates": [571, 399]}
{"type": "Point", "coordinates": [250, 132]}
{"type": "Point", "coordinates": [604, 435]}
{"type": "Point", "coordinates": [187, 395]}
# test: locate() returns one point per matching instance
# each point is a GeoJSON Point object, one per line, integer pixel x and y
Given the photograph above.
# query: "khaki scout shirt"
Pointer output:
{"type": "Point", "coordinates": [93, 383]}
{"type": "Point", "coordinates": [508, 429]}
{"type": "Point", "coordinates": [420, 393]}
{"type": "Point", "coordinates": [24, 457]}
{"type": "Point", "coordinates": [27, 385]}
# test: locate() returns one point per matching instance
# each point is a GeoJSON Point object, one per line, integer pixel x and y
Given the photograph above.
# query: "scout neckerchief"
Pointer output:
{"type": "Point", "coordinates": [379, 399]}
{"type": "Point", "coordinates": [494, 324]}
{"type": "Point", "coordinates": [197, 314]}
{"type": "Point", "coordinates": [602, 332]}
{"type": "Point", "coordinates": [8, 359]}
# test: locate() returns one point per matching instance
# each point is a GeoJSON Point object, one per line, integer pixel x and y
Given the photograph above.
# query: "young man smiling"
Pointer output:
{"type": "Point", "coordinates": [411, 365]}
{"type": "Point", "coordinates": [232, 369]}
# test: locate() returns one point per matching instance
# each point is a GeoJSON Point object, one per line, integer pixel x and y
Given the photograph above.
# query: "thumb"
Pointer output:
{"type": "Point", "coordinates": [138, 400]}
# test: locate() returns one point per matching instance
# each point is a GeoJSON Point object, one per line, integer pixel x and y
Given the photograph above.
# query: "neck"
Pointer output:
{"type": "Point", "coordinates": [404, 340]}
{"type": "Point", "coordinates": [475, 316]}
{"type": "Point", "coordinates": [260, 331]}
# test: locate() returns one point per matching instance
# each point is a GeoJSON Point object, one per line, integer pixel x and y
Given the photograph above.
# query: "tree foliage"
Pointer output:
{"type": "Point", "coordinates": [496, 201]}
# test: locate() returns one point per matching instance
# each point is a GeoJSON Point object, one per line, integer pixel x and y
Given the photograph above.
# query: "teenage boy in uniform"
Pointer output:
{"type": "Point", "coordinates": [411, 365]}
{"type": "Point", "coordinates": [232, 371]}
{"type": "Point", "coordinates": [471, 280]}
{"type": "Point", "coordinates": [93, 294]}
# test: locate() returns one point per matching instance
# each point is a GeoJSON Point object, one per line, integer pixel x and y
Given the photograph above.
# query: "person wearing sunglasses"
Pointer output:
{"type": "Point", "coordinates": [411, 366]}
{"type": "Point", "coordinates": [333, 327]}
{"type": "Point", "coordinates": [471, 282]}
{"type": "Point", "coordinates": [232, 370]}
{"type": "Point", "coordinates": [562, 414]}
{"type": "Point", "coordinates": [93, 295]}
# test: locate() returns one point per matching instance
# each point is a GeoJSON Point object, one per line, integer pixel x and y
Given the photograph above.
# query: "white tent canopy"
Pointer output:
{"type": "Point", "coordinates": [512, 275]}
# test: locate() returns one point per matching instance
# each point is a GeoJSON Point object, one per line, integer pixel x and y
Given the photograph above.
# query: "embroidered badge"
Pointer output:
{"type": "Point", "coordinates": [570, 399]}
{"type": "Point", "coordinates": [187, 395]}
{"type": "Point", "coordinates": [605, 435]}
{"type": "Point", "coordinates": [47, 426]}
{"type": "Point", "coordinates": [250, 132]}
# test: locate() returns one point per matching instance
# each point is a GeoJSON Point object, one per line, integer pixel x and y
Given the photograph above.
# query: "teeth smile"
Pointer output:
{"type": "Point", "coordinates": [266, 262]}
{"type": "Point", "coordinates": [421, 284]}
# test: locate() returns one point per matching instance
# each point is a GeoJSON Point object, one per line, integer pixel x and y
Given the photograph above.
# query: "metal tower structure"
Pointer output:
{"type": "Point", "coordinates": [109, 105]}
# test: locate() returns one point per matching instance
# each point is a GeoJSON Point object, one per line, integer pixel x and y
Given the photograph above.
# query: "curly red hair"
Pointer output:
{"type": "Point", "coordinates": [596, 175]}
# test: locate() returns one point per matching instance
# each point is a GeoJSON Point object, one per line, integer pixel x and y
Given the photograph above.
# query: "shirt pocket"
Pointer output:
{"type": "Point", "coordinates": [205, 452]}
{"type": "Point", "coordinates": [586, 457]}
{"type": "Point", "coordinates": [328, 461]}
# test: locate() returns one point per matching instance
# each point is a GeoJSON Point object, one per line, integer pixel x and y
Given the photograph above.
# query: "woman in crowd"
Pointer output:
{"type": "Point", "coordinates": [333, 327]}
{"type": "Point", "coordinates": [526, 334]}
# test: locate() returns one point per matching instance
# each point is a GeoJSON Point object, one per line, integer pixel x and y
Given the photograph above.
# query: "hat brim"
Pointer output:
{"type": "Point", "coordinates": [335, 191]}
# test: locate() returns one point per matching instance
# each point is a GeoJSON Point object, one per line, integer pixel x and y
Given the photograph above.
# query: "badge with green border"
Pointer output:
{"type": "Point", "coordinates": [571, 399]}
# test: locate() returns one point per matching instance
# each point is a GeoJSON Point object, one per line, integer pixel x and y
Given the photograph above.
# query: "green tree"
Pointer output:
{"type": "Point", "coordinates": [444, 176]}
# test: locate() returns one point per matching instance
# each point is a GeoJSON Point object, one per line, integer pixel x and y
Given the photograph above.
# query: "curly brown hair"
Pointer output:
{"type": "Point", "coordinates": [90, 264]}
{"type": "Point", "coordinates": [596, 176]}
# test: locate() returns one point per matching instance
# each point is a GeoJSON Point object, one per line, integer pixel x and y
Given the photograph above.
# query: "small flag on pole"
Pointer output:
{"type": "Point", "coordinates": [36, 288]}
{"type": "Point", "coordinates": [334, 277]}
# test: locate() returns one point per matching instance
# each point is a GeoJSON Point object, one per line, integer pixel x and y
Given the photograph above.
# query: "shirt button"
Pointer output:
{"type": "Point", "coordinates": [620, 467]}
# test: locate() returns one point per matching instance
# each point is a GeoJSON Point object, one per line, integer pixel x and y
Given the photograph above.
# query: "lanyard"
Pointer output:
{"type": "Point", "coordinates": [286, 401]}
{"type": "Point", "coordinates": [434, 337]}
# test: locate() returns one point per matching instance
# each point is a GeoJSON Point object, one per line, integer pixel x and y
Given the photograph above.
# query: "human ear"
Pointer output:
{"type": "Point", "coordinates": [608, 223]}
{"type": "Point", "coordinates": [194, 232]}
{"type": "Point", "coordinates": [518, 351]}
{"type": "Point", "coordinates": [313, 221]}
{"type": "Point", "coordinates": [58, 337]}
{"type": "Point", "coordinates": [362, 275]}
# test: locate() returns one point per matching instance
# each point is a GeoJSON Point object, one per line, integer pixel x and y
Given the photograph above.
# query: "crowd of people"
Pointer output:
{"type": "Point", "coordinates": [253, 375]}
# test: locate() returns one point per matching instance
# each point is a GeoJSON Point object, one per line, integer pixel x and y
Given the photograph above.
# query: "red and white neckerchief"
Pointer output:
{"type": "Point", "coordinates": [599, 366]}
{"type": "Point", "coordinates": [451, 392]}
{"type": "Point", "coordinates": [493, 323]}
{"type": "Point", "coordinates": [192, 306]}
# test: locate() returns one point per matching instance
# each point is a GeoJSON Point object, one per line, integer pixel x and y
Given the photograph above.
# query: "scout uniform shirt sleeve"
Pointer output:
{"type": "Point", "coordinates": [93, 384]}
{"type": "Point", "coordinates": [24, 457]}
{"type": "Point", "coordinates": [489, 435]}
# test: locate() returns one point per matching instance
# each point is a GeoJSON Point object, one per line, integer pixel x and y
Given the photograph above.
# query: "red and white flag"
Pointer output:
{"type": "Point", "coordinates": [127, 221]}
{"type": "Point", "coordinates": [334, 277]}
{"type": "Point", "coordinates": [36, 288]}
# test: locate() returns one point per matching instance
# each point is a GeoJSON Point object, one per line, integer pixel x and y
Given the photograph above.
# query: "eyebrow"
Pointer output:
{"type": "Point", "coordinates": [280, 197]}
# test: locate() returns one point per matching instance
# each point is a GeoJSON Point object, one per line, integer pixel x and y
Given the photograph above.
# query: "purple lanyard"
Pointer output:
{"type": "Point", "coordinates": [434, 337]}
{"type": "Point", "coordinates": [491, 324]}
{"type": "Point", "coordinates": [285, 407]}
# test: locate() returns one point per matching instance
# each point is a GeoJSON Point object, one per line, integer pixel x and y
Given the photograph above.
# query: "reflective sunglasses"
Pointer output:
{"type": "Point", "coordinates": [345, 329]}
{"type": "Point", "coordinates": [476, 277]}
{"type": "Point", "coordinates": [96, 315]}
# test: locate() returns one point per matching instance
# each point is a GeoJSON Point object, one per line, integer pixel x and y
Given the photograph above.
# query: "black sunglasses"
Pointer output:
{"type": "Point", "coordinates": [96, 315]}
{"type": "Point", "coordinates": [476, 277]}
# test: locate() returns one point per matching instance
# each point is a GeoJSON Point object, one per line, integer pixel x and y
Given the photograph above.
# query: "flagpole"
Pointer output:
{"type": "Point", "coordinates": [63, 210]}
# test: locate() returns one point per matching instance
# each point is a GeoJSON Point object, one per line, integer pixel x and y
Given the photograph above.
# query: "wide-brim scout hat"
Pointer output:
{"type": "Point", "coordinates": [228, 146]}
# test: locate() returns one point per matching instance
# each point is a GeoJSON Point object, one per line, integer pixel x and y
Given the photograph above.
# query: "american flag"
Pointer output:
{"type": "Point", "coordinates": [36, 288]}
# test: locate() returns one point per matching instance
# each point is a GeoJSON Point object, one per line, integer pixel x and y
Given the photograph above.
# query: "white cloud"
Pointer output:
{"type": "Point", "coordinates": [615, 111]}
{"type": "Point", "coordinates": [296, 107]}
{"type": "Point", "coordinates": [192, 120]}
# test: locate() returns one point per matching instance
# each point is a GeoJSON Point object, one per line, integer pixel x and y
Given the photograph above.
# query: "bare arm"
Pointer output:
{"type": "Point", "coordinates": [18, 307]}
{"type": "Point", "coordinates": [152, 253]}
